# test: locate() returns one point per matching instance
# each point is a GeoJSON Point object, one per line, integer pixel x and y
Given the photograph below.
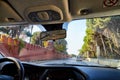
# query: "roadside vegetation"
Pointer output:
{"type": "Point", "coordinates": [102, 38]}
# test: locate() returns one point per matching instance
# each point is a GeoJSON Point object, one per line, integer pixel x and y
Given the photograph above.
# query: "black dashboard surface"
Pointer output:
{"type": "Point", "coordinates": [100, 73]}
{"type": "Point", "coordinates": [62, 72]}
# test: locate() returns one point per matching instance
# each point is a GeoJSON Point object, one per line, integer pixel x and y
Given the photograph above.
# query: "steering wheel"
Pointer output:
{"type": "Point", "coordinates": [20, 68]}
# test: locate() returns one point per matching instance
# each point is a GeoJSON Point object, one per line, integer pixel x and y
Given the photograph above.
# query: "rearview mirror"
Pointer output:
{"type": "Point", "coordinates": [53, 35]}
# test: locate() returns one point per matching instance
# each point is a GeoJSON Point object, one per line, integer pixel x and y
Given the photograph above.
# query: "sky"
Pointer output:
{"type": "Point", "coordinates": [75, 35]}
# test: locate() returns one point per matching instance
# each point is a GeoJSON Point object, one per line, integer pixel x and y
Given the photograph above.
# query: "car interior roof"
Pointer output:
{"type": "Point", "coordinates": [53, 11]}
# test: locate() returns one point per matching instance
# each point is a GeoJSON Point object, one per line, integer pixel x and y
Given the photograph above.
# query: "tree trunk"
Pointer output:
{"type": "Point", "coordinates": [104, 48]}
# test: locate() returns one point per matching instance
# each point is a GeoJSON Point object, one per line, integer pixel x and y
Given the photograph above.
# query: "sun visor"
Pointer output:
{"type": "Point", "coordinates": [7, 14]}
{"type": "Point", "coordinates": [94, 8]}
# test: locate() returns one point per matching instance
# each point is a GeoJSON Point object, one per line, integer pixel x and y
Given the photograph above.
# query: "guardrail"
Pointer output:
{"type": "Point", "coordinates": [109, 62]}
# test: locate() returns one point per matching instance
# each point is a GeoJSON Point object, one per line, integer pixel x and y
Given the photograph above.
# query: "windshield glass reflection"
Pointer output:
{"type": "Point", "coordinates": [88, 41]}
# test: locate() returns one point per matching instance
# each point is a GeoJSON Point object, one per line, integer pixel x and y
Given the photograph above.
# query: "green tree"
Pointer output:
{"type": "Point", "coordinates": [93, 25]}
{"type": "Point", "coordinates": [35, 39]}
{"type": "Point", "coordinates": [72, 55]}
{"type": "Point", "coordinates": [61, 45]}
{"type": "Point", "coordinates": [88, 39]}
{"type": "Point", "coordinates": [103, 32]}
{"type": "Point", "coordinates": [16, 31]}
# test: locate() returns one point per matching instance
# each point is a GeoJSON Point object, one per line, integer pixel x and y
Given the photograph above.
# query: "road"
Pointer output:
{"type": "Point", "coordinates": [67, 61]}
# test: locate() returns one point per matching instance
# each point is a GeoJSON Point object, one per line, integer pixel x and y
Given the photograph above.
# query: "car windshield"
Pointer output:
{"type": "Point", "coordinates": [94, 41]}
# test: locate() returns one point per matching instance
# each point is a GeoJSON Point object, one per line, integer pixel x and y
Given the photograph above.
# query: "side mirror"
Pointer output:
{"type": "Point", "coordinates": [53, 35]}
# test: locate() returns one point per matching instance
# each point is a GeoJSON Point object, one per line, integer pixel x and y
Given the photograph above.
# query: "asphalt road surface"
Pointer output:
{"type": "Point", "coordinates": [66, 61]}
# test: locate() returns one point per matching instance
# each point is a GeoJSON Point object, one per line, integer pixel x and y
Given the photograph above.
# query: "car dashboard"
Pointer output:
{"type": "Point", "coordinates": [62, 72]}
{"type": "Point", "coordinates": [36, 72]}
